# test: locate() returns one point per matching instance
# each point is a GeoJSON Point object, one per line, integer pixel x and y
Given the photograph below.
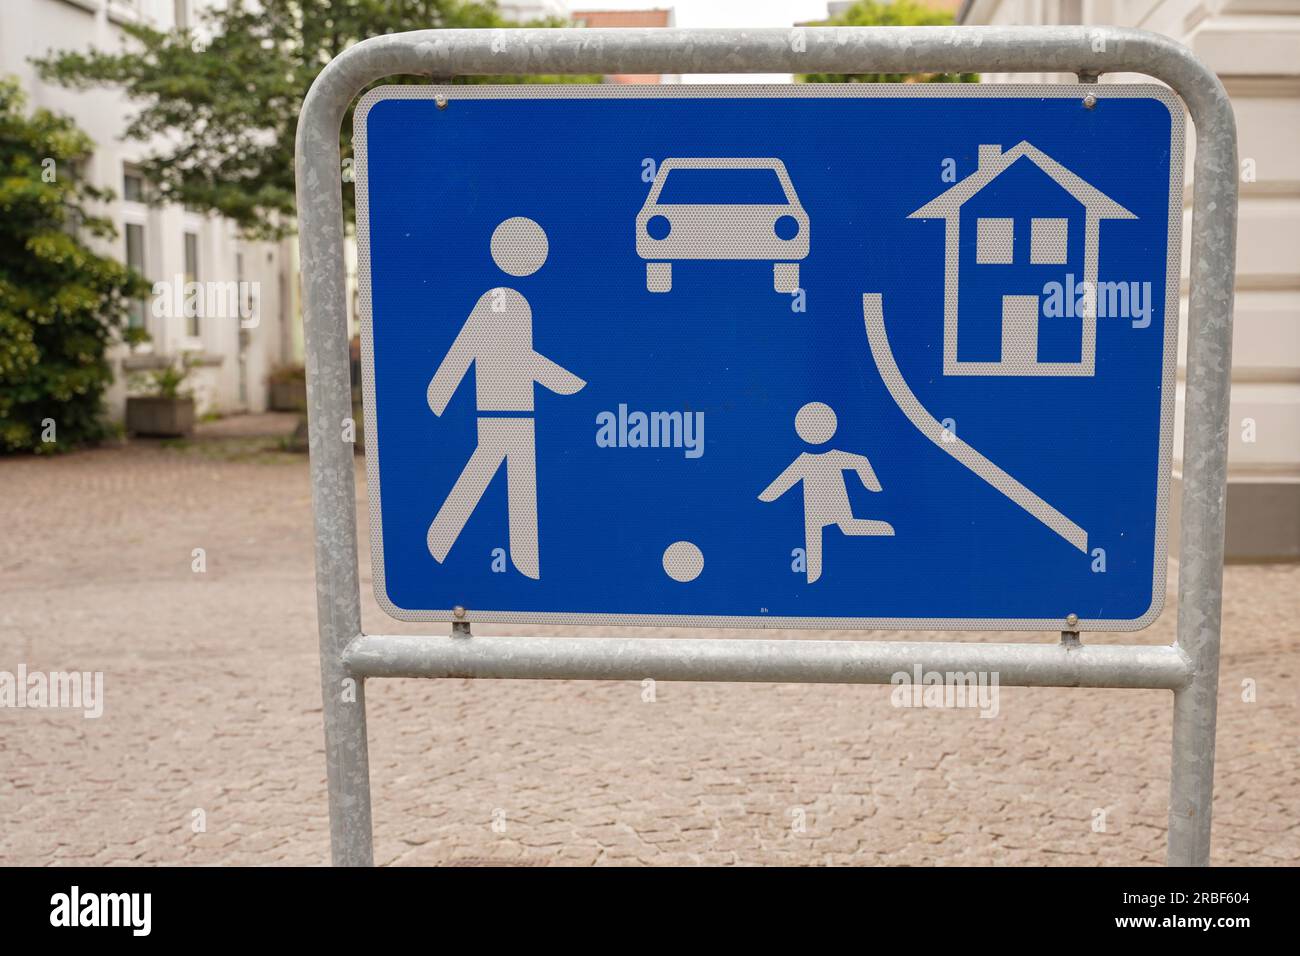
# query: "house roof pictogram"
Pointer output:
{"type": "Point", "coordinates": [948, 202]}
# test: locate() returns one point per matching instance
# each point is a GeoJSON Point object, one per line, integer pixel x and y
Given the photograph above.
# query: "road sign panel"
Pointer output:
{"type": "Point", "coordinates": [895, 356]}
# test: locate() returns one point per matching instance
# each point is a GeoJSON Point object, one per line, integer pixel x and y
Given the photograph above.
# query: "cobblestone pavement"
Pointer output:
{"type": "Point", "coordinates": [212, 707]}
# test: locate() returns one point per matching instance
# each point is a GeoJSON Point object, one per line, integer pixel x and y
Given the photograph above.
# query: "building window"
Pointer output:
{"type": "Point", "coordinates": [1048, 243]}
{"type": "Point", "coordinates": [993, 241]}
{"type": "Point", "coordinates": [135, 261]}
{"type": "Point", "coordinates": [192, 275]}
{"type": "Point", "coordinates": [239, 278]}
{"type": "Point", "coordinates": [74, 175]}
{"type": "Point", "coordinates": [132, 185]}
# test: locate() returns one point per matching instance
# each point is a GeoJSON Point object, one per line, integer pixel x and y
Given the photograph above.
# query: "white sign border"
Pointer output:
{"type": "Point", "coordinates": [784, 91]}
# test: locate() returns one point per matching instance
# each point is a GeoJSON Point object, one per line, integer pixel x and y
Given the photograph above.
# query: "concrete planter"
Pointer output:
{"type": "Point", "coordinates": [164, 417]}
{"type": "Point", "coordinates": [290, 396]}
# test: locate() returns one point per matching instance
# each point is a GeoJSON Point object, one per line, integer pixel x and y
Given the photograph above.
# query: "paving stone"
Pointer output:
{"type": "Point", "coordinates": [212, 703]}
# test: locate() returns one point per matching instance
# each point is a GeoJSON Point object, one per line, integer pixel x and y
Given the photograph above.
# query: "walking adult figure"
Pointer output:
{"type": "Point", "coordinates": [497, 339]}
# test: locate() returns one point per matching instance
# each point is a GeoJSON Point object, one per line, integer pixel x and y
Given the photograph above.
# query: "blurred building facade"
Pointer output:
{"type": "Point", "coordinates": [1254, 47]}
{"type": "Point", "coordinates": [629, 18]}
{"type": "Point", "coordinates": [162, 242]}
{"type": "Point", "coordinates": [232, 356]}
{"type": "Point", "coordinates": [525, 11]}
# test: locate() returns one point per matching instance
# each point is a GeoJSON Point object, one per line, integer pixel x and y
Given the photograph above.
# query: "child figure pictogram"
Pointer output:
{"type": "Point", "coordinates": [825, 497]}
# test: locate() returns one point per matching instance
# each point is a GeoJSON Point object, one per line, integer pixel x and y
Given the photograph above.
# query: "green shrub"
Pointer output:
{"type": "Point", "coordinates": [166, 382]}
{"type": "Point", "coordinates": [61, 305]}
{"type": "Point", "coordinates": [284, 374]}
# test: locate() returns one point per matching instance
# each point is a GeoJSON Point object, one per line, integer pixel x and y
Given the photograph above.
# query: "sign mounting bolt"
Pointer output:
{"type": "Point", "coordinates": [458, 612]}
{"type": "Point", "coordinates": [442, 102]}
{"type": "Point", "coordinates": [1070, 636]}
{"type": "Point", "coordinates": [1089, 102]}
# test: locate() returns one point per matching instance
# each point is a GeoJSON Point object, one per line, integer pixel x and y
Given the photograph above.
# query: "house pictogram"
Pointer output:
{"type": "Point", "coordinates": [1003, 272]}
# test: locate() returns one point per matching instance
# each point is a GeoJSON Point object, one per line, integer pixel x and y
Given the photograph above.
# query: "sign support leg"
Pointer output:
{"type": "Point", "coordinates": [333, 480]}
{"type": "Point", "coordinates": [1191, 777]}
{"type": "Point", "coordinates": [1205, 469]}
{"type": "Point", "coordinates": [347, 765]}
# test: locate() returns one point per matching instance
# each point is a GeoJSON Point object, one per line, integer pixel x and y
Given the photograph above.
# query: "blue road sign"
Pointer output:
{"type": "Point", "coordinates": [864, 356]}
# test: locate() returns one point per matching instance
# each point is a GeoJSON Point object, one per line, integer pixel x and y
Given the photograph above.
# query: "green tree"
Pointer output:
{"type": "Point", "coordinates": [896, 13]}
{"type": "Point", "coordinates": [61, 305]}
{"type": "Point", "coordinates": [224, 98]}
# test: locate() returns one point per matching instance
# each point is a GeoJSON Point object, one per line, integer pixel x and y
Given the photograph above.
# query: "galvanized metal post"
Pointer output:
{"type": "Point", "coordinates": [329, 404]}
{"type": "Point", "coordinates": [345, 655]}
{"type": "Point", "coordinates": [1205, 466]}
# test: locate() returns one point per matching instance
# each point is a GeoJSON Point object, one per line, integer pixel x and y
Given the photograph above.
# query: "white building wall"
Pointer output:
{"type": "Point", "coordinates": [525, 11]}
{"type": "Point", "coordinates": [1254, 47]}
{"type": "Point", "coordinates": [233, 370]}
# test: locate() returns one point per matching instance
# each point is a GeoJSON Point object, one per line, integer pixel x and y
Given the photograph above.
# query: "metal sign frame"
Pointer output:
{"type": "Point", "coordinates": [1189, 667]}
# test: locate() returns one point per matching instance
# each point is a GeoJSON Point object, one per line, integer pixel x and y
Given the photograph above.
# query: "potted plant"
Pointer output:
{"type": "Point", "coordinates": [288, 385]}
{"type": "Point", "coordinates": [163, 406]}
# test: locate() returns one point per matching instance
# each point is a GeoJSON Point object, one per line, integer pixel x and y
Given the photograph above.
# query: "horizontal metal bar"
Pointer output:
{"type": "Point", "coordinates": [707, 659]}
{"type": "Point", "coordinates": [1063, 49]}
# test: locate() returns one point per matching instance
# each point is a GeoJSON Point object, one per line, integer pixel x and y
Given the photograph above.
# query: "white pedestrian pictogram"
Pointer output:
{"type": "Point", "coordinates": [825, 497]}
{"type": "Point", "coordinates": [497, 339]}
